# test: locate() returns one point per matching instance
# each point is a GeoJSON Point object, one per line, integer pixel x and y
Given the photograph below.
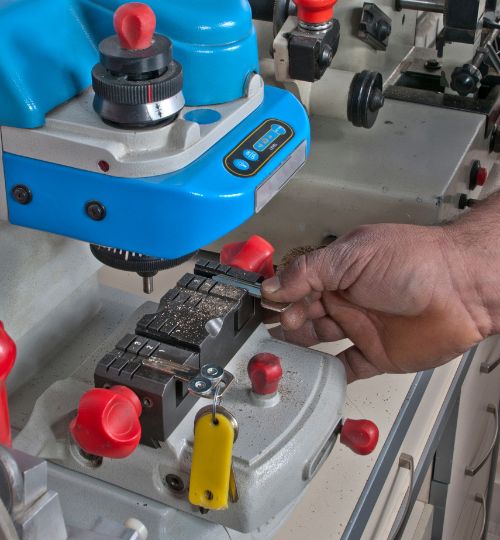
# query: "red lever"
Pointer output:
{"type": "Point", "coordinates": [315, 11]}
{"type": "Point", "coordinates": [361, 436]}
{"type": "Point", "coordinates": [107, 423]}
{"type": "Point", "coordinates": [135, 24]}
{"type": "Point", "coordinates": [7, 359]}
{"type": "Point", "coordinates": [254, 255]}
{"type": "Point", "coordinates": [265, 373]}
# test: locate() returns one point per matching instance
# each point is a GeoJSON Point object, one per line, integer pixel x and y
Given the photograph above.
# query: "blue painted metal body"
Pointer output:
{"type": "Point", "coordinates": [166, 216]}
{"type": "Point", "coordinates": [50, 46]}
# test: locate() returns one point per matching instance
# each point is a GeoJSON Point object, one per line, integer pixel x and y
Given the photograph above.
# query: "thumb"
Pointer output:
{"type": "Point", "coordinates": [356, 365]}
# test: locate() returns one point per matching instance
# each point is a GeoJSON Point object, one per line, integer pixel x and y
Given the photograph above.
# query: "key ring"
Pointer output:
{"type": "Point", "coordinates": [215, 402]}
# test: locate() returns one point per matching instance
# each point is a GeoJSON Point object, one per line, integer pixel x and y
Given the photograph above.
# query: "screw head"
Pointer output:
{"type": "Point", "coordinates": [22, 194]}
{"type": "Point", "coordinates": [147, 402]}
{"type": "Point", "coordinates": [174, 482]}
{"type": "Point", "coordinates": [95, 210]}
{"type": "Point", "coordinates": [200, 385]}
{"type": "Point", "coordinates": [211, 371]}
{"type": "Point", "coordinates": [326, 56]}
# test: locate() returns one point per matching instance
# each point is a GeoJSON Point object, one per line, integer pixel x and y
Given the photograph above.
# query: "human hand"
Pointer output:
{"type": "Point", "coordinates": [402, 293]}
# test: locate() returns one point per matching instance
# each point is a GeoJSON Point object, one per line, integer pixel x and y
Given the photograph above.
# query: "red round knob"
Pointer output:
{"type": "Point", "coordinates": [135, 24]}
{"type": "Point", "coordinates": [254, 255]}
{"type": "Point", "coordinates": [361, 436]}
{"type": "Point", "coordinates": [481, 176]}
{"type": "Point", "coordinates": [265, 373]}
{"type": "Point", "coordinates": [7, 353]}
{"type": "Point", "coordinates": [315, 11]}
{"type": "Point", "coordinates": [7, 359]}
{"type": "Point", "coordinates": [107, 423]}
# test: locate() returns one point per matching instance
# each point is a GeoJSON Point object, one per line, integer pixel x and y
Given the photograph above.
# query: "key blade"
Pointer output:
{"type": "Point", "coordinates": [253, 290]}
{"type": "Point", "coordinates": [183, 373]}
{"type": "Point", "coordinates": [277, 307]}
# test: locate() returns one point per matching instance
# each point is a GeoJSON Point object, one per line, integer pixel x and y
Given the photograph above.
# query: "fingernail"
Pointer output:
{"type": "Point", "coordinates": [271, 285]}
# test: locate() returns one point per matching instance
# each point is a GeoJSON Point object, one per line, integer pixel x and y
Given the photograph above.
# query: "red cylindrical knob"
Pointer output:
{"type": "Point", "coordinates": [481, 176]}
{"type": "Point", "coordinates": [7, 359]}
{"type": "Point", "coordinates": [361, 436]}
{"type": "Point", "coordinates": [315, 11]}
{"type": "Point", "coordinates": [107, 423]}
{"type": "Point", "coordinates": [254, 255]}
{"type": "Point", "coordinates": [265, 373]}
{"type": "Point", "coordinates": [135, 24]}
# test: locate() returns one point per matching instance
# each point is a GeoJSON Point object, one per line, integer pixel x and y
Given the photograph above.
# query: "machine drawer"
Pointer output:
{"type": "Point", "coordinates": [475, 436]}
{"type": "Point", "coordinates": [392, 503]}
{"type": "Point", "coordinates": [419, 525]}
{"type": "Point", "coordinates": [472, 515]}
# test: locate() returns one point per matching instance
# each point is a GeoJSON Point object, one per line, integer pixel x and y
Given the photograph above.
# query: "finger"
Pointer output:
{"type": "Point", "coordinates": [271, 317]}
{"type": "Point", "coordinates": [315, 310]}
{"type": "Point", "coordinates": [356, 365]}
{"type": "Point", "coordinates": [311, 273]}
{"type": "Point", "coordinates": [296, 315]}
{"type": "Point", "coordinates": [328, 330]}
{"type": "Point", "coordinates": [311, 333]}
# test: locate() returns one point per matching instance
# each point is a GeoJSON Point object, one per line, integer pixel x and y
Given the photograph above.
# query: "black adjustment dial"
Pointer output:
{"type": "Point", "coordinates": [137, 83]}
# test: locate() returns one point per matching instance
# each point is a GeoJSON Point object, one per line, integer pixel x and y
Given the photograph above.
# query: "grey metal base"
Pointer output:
{"type": "Point", "coordinates": [278, 451]}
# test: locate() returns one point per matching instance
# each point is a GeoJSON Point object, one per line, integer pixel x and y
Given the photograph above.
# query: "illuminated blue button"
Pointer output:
{"type": "Point", "coordinates": [241, 164]}
{"type": "Point", "coordinates": [251, 155]}
{"type": "Point", "coordinates": [279, 130]}
{"type": "Point", "coordinates": [259, 146]}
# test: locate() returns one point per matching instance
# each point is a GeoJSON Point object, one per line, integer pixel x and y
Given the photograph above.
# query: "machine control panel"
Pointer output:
{"type": "Point", "coordinates": [258, 148]}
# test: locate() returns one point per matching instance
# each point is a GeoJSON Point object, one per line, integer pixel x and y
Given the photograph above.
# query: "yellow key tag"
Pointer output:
{"type": "Point", "coordinates": [212, 459]}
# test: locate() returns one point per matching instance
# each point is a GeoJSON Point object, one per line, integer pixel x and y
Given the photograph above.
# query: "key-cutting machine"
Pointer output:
{"type": "Point", "coordinates": [151, 132]}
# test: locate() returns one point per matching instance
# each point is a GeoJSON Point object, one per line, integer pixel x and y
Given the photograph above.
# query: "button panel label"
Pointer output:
{"type": "Point", "coordinates": [258, 148]}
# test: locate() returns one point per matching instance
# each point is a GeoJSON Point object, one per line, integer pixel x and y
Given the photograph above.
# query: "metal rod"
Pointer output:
{"type": "Point", "coordinates": [147, 284]}
{"type": "Point", "coordinates": [435, 6]}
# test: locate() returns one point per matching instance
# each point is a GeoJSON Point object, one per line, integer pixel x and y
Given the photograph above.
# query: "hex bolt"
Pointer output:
{"type": "Point", "coordinates": [22, 194]}
{"type": "Point", "coordinates": [95, 210]}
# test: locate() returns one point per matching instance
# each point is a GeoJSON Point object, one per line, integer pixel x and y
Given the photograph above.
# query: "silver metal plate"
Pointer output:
{"type": "Point", "coordinates": [278, 180]}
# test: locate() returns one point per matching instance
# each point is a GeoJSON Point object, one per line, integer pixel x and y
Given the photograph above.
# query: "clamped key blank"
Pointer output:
{"type": "Point", "coordinates": [212, 483]}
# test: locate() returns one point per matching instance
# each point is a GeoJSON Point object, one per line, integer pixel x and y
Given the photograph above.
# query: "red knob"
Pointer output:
{"type": "Point", "coordinates": [315, 11]}
{"type": "Point", "coordinates": [107, 423]}
{"type": "Point", "coordinates": [361, 436]}
{"type": "Point", "coordinates": [7, 359]}
{"type": "Point", "coordinates": [135, 24]}
{"type": "Point", "coordinates": [265, 373]}
{"type": "Point", "coordinates": [481, 176]}
{"type": "Point", "coordinates": [254, 255]}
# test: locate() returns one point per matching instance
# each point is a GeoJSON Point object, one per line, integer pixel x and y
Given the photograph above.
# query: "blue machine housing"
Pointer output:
{"type": "Point", "coordinates": [50, 46]}
{"type": "Point", "coordinates": [165, 216]}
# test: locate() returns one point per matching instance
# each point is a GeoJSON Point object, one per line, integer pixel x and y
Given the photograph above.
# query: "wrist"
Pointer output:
{"type": "Point", "coordinates": [473, 257]}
